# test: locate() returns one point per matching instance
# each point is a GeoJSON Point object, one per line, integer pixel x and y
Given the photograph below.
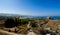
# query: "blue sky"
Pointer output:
{"type": "Point", "coordinates": [31, 7]}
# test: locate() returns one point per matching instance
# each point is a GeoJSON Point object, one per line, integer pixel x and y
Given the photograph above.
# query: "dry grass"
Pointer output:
{"type": "Point", "coordinates": [23, 29]}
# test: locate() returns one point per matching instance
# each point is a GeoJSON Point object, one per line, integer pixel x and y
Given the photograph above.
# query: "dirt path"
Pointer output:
{"type": "Point", "coordinates": [31, 32]}
{"type": "Point", "coordinates": [7, 33]}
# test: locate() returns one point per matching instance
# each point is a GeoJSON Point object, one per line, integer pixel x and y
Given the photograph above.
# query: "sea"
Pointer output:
{"type": "Point", "coordinates": [52, 17]}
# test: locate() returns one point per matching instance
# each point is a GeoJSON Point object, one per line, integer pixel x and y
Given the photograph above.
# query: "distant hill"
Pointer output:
{"type": "Point", "coordinates": [28, 16]}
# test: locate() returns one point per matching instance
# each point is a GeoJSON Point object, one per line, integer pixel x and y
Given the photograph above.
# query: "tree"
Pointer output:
{"type": "Point", "coordinates": [24, 21]}
{"type": "Point", "coordinates": [9, 23]}
{"type": "Point", "coordinates": [33, 23]}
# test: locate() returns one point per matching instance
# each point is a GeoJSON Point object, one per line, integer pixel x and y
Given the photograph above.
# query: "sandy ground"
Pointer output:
{"type": "Point", "coordinates": [31, 33]}
{"type": "Point", "coordinates": [7, 33]}
{"type": "Point", "coordinates": [2, 32]}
